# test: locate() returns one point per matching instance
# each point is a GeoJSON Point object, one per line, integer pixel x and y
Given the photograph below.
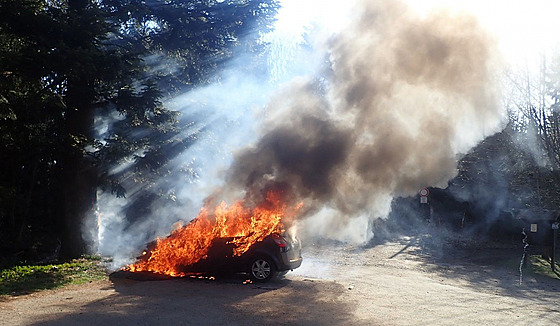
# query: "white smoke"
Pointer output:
{"type": "Point", "coordinates": [385, 107]}
{"type": "Point", "coordinates": [406, 96]}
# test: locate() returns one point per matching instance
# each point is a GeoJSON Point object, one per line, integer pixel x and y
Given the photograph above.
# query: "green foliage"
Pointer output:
{"type": "Point", "coordinates": [65, 65]}
{"type": "Point", "coordinates": [191, 40]}
{"type": "Point", "coordinates": [23, 279]}
{"type": "Point", "coordinates": [540, 266]}
{"type": "Point", "coordinates": [501, 168]}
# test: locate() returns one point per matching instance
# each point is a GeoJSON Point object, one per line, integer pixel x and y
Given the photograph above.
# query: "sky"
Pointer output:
{"type": "Point", "coordinates": [523, 29]}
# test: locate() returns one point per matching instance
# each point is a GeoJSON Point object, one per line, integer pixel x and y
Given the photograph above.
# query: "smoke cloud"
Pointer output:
{"type": "Point", "coordinates": [405, 97]}
{"type": "Point", "coordinates": [398, 100]}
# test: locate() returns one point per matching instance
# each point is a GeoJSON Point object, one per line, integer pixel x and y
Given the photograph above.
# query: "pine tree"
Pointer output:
{"type": "Point", "coordinates": [64, 63]}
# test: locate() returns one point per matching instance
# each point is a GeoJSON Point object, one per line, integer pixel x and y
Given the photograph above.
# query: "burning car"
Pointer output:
{"type": "Point", "coordinates": [274, 256]}
{"type": "Point", "coordinates": [242, 237]}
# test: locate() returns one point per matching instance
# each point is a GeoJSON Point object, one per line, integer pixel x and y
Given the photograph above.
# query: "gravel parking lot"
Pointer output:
{"type": "Point", "coordinates": [405, 281]}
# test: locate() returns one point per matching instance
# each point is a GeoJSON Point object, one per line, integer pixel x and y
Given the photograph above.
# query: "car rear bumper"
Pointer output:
{"type": "Point", "coordinates": [289, 264]}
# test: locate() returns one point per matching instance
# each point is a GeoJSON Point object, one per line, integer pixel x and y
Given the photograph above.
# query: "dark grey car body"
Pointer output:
{"type": "Point", "coordinates": [274, 255]}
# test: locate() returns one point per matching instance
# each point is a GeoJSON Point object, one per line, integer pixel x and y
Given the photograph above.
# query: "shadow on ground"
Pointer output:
{"type": "Point", "coordinates": [479, 263]}
{"type": "Point", "coordinates": [187, 301]}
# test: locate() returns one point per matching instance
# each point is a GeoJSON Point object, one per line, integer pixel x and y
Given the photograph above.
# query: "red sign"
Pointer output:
{"type": "Point", "coordinates": [424, 192]}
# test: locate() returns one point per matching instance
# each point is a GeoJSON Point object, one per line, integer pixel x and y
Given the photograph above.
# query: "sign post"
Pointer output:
{"type": "Point", "coordinates": [424, 195]}
{"type": "Point", "coordinates": [424, 203]}
{"type": "Point", "coordinates": [555, 227]}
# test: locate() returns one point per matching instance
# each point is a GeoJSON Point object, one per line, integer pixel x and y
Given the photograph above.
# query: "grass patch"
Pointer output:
{"type": "Point", "coordinates": [541, 266]}
{"type": "Point", "coordinates": [24, 279]}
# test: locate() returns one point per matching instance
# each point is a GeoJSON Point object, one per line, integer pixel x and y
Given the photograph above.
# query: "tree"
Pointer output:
{"type": "Point", "coordinates": [66, 63]}
{"type": "Point", "coordinates": [534, 108]}
{"type": "Point", "coordinates": [518, 167]}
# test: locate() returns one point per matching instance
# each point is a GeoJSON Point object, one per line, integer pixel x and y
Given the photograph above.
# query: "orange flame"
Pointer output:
{"type": "Point", "coordinates": [189, 244]}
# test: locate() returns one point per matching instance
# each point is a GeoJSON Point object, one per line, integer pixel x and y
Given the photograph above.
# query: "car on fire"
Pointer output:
{"type": "Point", "coordinates": [274, 256]}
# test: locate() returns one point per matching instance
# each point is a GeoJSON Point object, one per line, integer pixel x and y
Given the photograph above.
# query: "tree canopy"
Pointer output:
{"type": "Point", "coordinates": [65, 65]}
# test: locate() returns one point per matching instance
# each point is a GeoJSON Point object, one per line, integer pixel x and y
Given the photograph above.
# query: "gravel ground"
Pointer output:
{"type": "Point", "coordinates": [405, 281]}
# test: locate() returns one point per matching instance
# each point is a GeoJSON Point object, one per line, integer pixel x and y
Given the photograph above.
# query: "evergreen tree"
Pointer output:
{"type": "Point", "coordinates": [65, 62]}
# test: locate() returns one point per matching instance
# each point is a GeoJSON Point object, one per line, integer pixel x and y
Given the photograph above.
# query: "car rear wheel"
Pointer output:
{"type": "Point", "coordinates": [262, 269]}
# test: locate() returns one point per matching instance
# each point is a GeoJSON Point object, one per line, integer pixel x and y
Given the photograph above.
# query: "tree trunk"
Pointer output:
{"type": "Point", "coordinates": [79, 176]}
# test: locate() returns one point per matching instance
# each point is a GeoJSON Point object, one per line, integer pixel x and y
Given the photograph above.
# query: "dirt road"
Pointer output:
{"type": "Point", "coordinates": [401, 282]}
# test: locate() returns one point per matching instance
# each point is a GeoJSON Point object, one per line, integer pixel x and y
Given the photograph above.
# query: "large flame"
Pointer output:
{"type": "Point", "coordinates": [189, 244]}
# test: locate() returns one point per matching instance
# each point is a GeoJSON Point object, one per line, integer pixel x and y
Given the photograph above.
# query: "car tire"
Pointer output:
{"type": "Point", "coordinates": [281, 274]}
{"type": "Point", "coordinates": [262, 269]}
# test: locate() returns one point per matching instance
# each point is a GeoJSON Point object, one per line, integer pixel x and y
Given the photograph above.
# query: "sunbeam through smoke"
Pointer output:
{"type": "Point", "coordinates": [396, 102]}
